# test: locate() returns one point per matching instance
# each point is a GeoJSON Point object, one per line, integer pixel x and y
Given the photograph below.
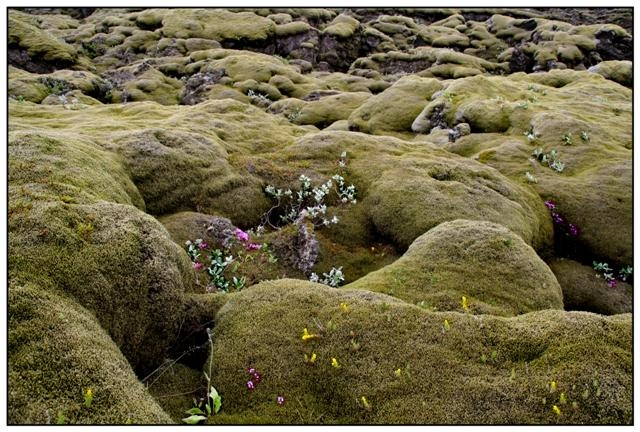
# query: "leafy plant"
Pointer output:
{"type": "Point", "coordinates": [567, 139]}
{"type": "Point", "coordinates": [213, 402]}
{"type": "Point", "coordinates": [259, 98]}
{"type": "Point", "coordinates": [584, 136]}
{"type": "Point", "coordinates": [609, 274]}
{"type": "Point", "coordinates": [550, 159]}
{"type": "Point", "coordinates": [334, 278]}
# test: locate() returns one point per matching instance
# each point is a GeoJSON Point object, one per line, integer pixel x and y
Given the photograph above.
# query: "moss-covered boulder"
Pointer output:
{"type": "Point", "coordinates": [57, 352]}
{"type": "Point", "coordinates": [395, 108]}
{"type": "Point", "coordinates": [320, 110]}
{"type": "Point", "coordinates": [615, 70]}
{"type": "Point", "coordinates": [489, 265]}
{"type": "Point", "coordinates": [584, 290]}
{"type": "Point", "coordinates": [35, 49]}
{"type": "Point", "coordinates": [374, 359]}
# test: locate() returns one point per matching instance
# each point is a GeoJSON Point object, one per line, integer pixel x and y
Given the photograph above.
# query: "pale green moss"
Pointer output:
{"type": "Point", "coordinates": [377, 335]}
{"type": "Point", "coordinates": [342, 26]}
{"type": "Point", "coordinates": [57, 350]}
{"type": "Point", "coordinates": [488, 264]}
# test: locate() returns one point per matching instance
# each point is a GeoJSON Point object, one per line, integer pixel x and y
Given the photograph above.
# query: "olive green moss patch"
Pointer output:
{"type": "Point", "coordinates": [58, 352]}
{"type": "Point", "coordinates": [584, 290]}
{"type": "Point", "coordinates": [373, 359]}
{"type": "Point", "coordinates": [495, 271]}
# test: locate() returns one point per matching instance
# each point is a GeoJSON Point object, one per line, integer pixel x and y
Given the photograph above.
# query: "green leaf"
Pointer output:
{"type": "Point", "coordinates": [217, 404]}
{"type": "Point", "coordinates": [208, 407]}
{"type": "Point", "coordinates": [194, 410]}
{"type": "Point", "coordinates": [194, 419]}
{"type": "Point", "coordinates": [213, 393]}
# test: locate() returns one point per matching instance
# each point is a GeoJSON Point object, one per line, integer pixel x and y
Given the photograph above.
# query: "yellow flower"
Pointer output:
{"type": "Point", "coordinates": [334, 363]}
{"type": "Point", "coordinates": [556, 410]}
{"type": "Point", "coordinates": [306, 335]}
{"type": "Point", "coordinates": [398, 372]}
{"type": "Point", "coordinates": [344, 307]}
{"type": "Point", "coordinates": [88, 398]}
{"type": "Point", "coordinates": [553, 386]}
{"type": "Point", "coordinates": [465, 304]}
{"type": "Point", "coordinates": [89, 393]}
{"type": "Point", "coordinates": [563, 398]}
{"type": "Point", "coordinates": [446, 325]}
{"type": "Point", "coordinates": [365, 403]}
{"type": "Point", "coordinates": [311, 359]}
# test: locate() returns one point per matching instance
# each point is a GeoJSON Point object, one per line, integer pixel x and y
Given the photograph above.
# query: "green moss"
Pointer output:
{"type": "Point", "coordinates": [292, 28]}
{"type": "Point", "coordinates": [395, 108]}
{"type": "Point", "coordinates": [152, 85]}
{"type": "Point", "coordinates": [618, 71]}
{"type": "Point", "coordinates": [583, 290]}
{"type": "Point", "coordinates": [488, 264]}
{"type": "Point", "coordinates": [58, 350]}
{"type": "Point", "coordinates": [329, 109]}
{"type": "Point", "coordinates": [24, 32]}
{"type": "Point", "coordinates": [378, 335]}
{"type": "Point", "coordinates": [217, 24]}
{"type": "Point", "coordinates": [342, 26]}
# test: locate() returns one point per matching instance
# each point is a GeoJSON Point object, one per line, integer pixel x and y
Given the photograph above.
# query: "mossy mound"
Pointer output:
{"type": "Point", "coordinates": [407, 362]}
{"type": "Point", "coordinates": [57, 351]}
{"type": "Point", "coordinates": [217, 24]}
{"type": "Point", "coordinates": [323, 111]}
{"type": "Point", "coordinates": [583, 290]}
{"type": "Point", "coordinates": [395, 108]}
{"type": "Point", "coordinates": [618, 71]}
{"type": "Point", "coordinates": [489, 265]}
{"type": "Point", "coordinates": [35, 49]}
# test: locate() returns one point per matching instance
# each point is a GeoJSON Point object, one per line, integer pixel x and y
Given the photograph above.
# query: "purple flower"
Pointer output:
{"type": "Point", "coordinates": [550, 204]}
{"type": "Point", "coordinates": [573, 230]}
{"type": "Point", "coordinates": [241, 235]}
{"type": "Point", "coordinates": [250, 385]}
{"type": "Point", "coordinates": [251, 370]}
{"type": "Point", "coordinates": [612, 283]}
{"type": "Point", "coordinates": [198, 265]}
{"type": "Point", "coordinates": [557, 218]}
{"type": "Point", "coordinates": [203, 245]}
{"type": "Point", "coordinates": [280, 400]}
{"type": "Point", "coordinates": [253, 246]}
{"type": "Point", "coordinates": [257, 377]}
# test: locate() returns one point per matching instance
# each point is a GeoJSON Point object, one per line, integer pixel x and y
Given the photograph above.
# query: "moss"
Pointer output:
{"type": "Point", "coordinates": [329, 109]}
{"type": "Point", "coordinates": [583, 290]}
{"type": "Point", "coordinates": [497, 272]}
{"type": "Point", "coordinates": [25, 86]}
{"type": "Point", "coordinates": [176, 387]}
{"type": "Point", "coordinates": [152, 85]}
{"type": "Point", "coordinates": [378, 335]}
{"type": "Point", "coordinates": [395, 108]}
{"type": "Point", "coordinates": [618, 71]}
{"type": "Point", "coordinates": [342, 26]}
{"type": "Point", "coordinates": [38, 43]}
{"type": "Point", "coordinates": [485, 115]}
{"type": "Point", "coordinates": [292, 28]}
{"type": "Point", "coordinates": [217, 24]}
{"type": "Point", "coordinates": [58, 350]}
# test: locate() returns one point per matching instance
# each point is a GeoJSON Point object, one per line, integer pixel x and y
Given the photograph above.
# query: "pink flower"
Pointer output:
{"type": "Point", "coordinates": [612, 283]}
{"type": "Point", "coordinates": [280, 400]}
{"type": "Point", "coordinates": [198, 265]}
{"type": "Point", "coordinates": [550, 204]}
{"type": "Point", "coordinates": [203, 245]}
{"type": "Point", "coordinates": [257, 377]}
{"type": "Point", "coordinates": [250, 385]}
{"type": "Point", "coordinates": [251, 370]}
{"type": "Point", "coordinates": [573, 230]}
{"type": "Point", "coordinates": [241, 235]}
{"type": "Point", "coordinates": [253, 246]}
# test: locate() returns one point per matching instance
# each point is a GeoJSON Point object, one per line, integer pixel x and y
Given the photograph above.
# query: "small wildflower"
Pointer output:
{"type": "Point", "coordinates": [344, 307]}
{"type": "Point", "coordinates": [563, 398]}
{"type": "Point", "coordinates": [446, 325]}
{"type": "Point", "coordinates": [557, 410]}
{"type": "Point", "coordinates": [573, 230]}
{"type": "Point", "coordinates": [250, 385]}
{"type": "Point", "coordinates": [256, 377]}
{"type": "Point", "coordinates": [241, 235]}
{"type": "Point", "coordinates": [253, 246]}
{"type": "Point", "coordinates": [465, 304]}
{"type": "Point", "coordinates": [198, 265]}
{"type": "Point", "coordinates": [203, 245]}
{"type": "Point", "coordinates": [280, 400]}
{"type": "Point", "coordinates": [612, 283]}
{"type": "Point", "coordinates": [88, 398]}
{"type": "Point", "coordinates": [310, 359]}
{"type": "Point", "coordinates": [553, 386]}
{"type": "Point", "coordinates": [306, 335]}
{"type": "Point", "coordinates": [251, 370]}
{"type": "Point", "coordinates": [398, 372]}
{"type": "Point", "coordinates": [365, 403]}
{"type": "Point", "coordinates": [334, 363]}
{"type": "Point", "coordinates": [550, 205]}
